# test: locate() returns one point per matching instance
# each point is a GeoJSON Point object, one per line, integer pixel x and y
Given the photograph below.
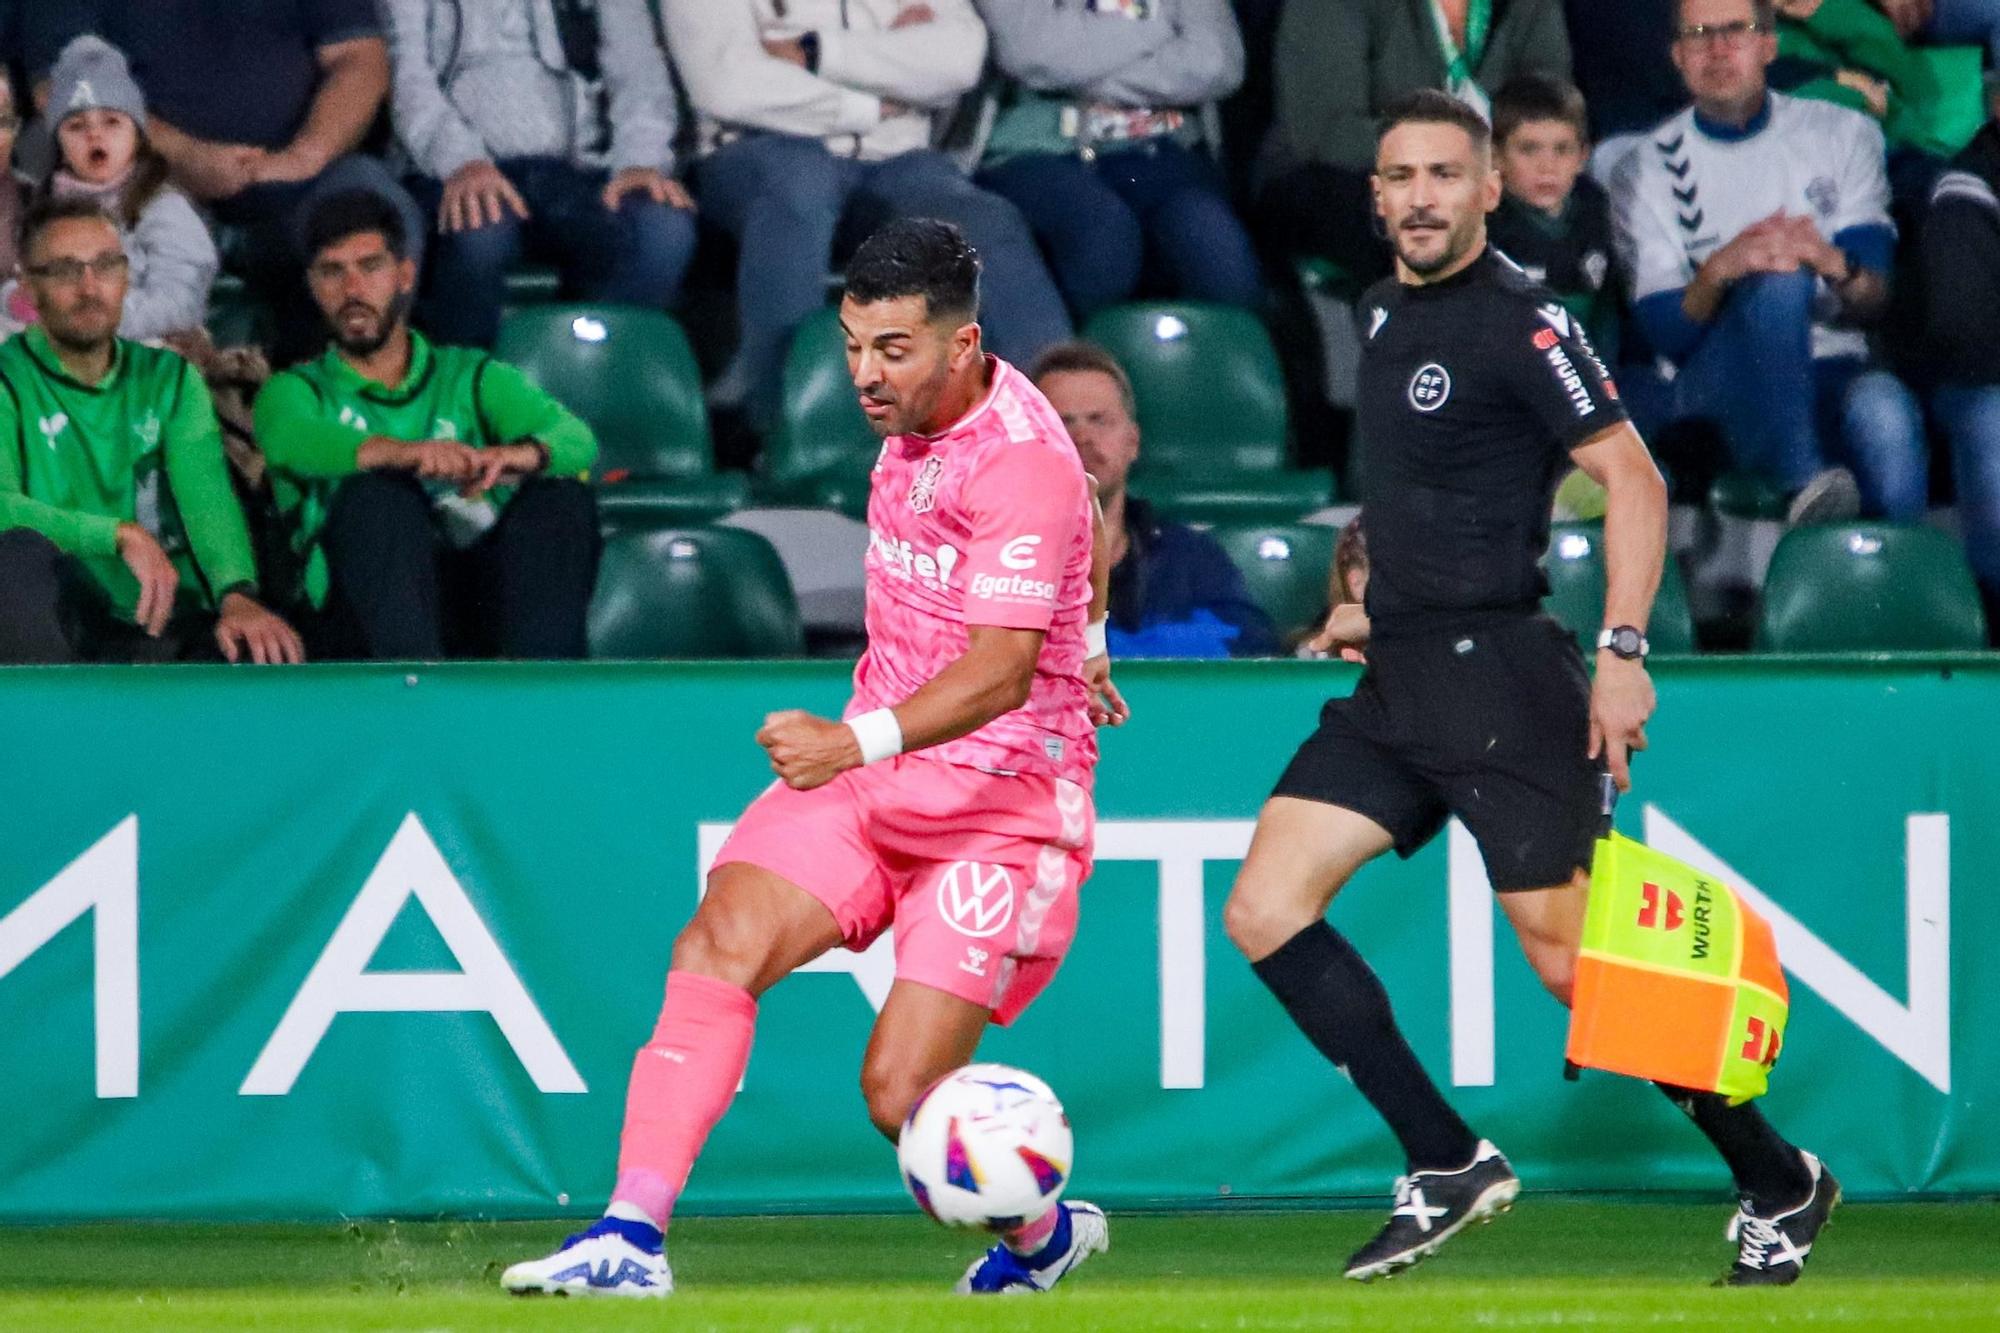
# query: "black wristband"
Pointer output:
{"type": "Point", "coordinates": [809, 43]}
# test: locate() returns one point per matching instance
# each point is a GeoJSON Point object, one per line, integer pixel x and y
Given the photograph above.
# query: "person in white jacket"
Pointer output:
{"type": "Point", "coordinates": [1099, 143]}
{"type": "Point", "coordinates": [529, 133]}
{"type": "Point", "coordinates": [817, 119]}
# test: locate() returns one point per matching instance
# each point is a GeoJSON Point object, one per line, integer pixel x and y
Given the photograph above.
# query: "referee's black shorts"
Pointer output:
{"type": "Point", "coordinates": [1489, 724]}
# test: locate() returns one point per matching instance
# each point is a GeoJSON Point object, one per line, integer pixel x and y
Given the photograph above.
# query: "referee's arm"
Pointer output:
{"type": "Point", "coordinates": [1635, 550]}
{"type": "Point", "coordinates": [1635, 520]}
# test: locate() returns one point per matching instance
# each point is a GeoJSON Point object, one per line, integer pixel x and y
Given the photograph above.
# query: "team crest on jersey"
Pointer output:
{"type": "Point", "coordinates": [1429, 387]}
{"type": "Point", "coordinates": [52, 426]}
{"type": "Point", "coordinates": [1823, 192]}
{"type": "Point", "coordinates": [1596, 268]}
{"type": "Point", "coordinates": [923, 491]}
{"type": "Point", "coordinates": [148, 430]}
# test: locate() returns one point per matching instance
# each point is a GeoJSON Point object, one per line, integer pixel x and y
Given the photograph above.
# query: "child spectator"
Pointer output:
{"type": "Point", "coordinates": [1554, 221]}
{"type": "Point", "coordinates": [103, 153]}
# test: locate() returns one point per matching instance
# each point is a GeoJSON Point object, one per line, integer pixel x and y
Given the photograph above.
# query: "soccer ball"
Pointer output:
{"type": "Point", "coordinates": [987, 1146]}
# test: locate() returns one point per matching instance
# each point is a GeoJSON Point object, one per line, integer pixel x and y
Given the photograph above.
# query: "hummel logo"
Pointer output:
{"type": "Point", "coordinates": [1555, 316]}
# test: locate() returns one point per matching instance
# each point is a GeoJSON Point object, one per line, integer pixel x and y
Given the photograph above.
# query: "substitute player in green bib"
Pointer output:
{"type": "Point", "coordinates": [120, 538]}
{"type": "Point", "coordinates": [436, 499]}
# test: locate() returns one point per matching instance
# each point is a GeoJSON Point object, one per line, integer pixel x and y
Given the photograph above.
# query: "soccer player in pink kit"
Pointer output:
{"type": "Point", "coordinates": [953, 802]}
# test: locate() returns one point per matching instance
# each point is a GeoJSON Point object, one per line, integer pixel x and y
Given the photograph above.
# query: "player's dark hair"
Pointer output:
{"type": "Point", "coordinates": [1429, 106]}
{"type": "Point", "coordinates": [1081, 358]}
{"type": "Point", "coordinates": [356, 212]}
{"type": "Point", "coordinates": [918, 257]}
{"type": "Point", "coordinates": [1531, 98]}
{"type": "Point", "coordinates": [48, 210]}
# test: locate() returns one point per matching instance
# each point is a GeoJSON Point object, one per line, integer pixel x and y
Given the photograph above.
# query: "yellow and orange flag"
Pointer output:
{"type": "Point", "coordinates": [1678, 979]}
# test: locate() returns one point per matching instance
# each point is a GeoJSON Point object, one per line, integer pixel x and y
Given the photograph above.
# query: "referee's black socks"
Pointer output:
{"type": "Point", "coordinates": [1338, 1002]}
{"type": "Point", "coordinates": [1766, 1167]}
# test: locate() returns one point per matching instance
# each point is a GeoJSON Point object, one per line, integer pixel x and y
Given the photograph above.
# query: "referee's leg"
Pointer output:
{"type": "Point", "coordinates": [1303, 853]}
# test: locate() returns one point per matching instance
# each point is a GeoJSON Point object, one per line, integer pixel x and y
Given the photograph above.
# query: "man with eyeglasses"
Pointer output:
{"type": "Point", "coordinates": [1757, 230]}
{"type": "Point", "coordinates": [120, 538]}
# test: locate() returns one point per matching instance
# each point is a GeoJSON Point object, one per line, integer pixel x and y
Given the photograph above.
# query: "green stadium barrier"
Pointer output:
{"type": "Point", "coordinates": [222, 893]}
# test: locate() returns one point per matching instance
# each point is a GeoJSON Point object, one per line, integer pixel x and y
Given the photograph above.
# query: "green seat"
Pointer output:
{"type": "Point", "coordinates": [1238, 497]}
{"type": "Point", "coordinates": [1883, 587]}
{"type": "Point", "coordinates": [1211, 396]}
{"type": "Point", "coordinates": [1575, 567]}
{"type": "Point", "coordinates": [630, 373]}
{"type": "Point", "coordinates": [1286, 567]}
{"type": "Point", "coordinates": [823, 448]}
{"type": "Point", "coordinates": [1747, 495]}
{"type": "Point", "coordinates": [693, 592]}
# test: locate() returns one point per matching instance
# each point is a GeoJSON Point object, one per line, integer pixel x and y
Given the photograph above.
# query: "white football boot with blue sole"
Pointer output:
{"type": "Point", "coordinates": [613, 1258]}
{"type": "Point", "coordinates": [1080, 1232]}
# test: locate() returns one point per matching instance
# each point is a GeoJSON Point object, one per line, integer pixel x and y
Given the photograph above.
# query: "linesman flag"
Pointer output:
{"type": "Point", "coordinates": [1678, 980]}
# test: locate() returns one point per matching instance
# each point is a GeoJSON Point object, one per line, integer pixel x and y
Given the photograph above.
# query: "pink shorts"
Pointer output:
{"type": "Point", "coordinates": [979, 872]}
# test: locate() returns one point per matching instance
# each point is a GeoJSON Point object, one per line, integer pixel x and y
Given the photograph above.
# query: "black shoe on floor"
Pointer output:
{"type": "Point", "coordinates": [1434, 1206]}
{"type": "Point", "coordinates": [1772, 1245]}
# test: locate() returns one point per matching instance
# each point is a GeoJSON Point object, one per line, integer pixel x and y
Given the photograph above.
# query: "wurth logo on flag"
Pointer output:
{"type": "Point", "coordinates": [977, 900]}
{"type": "Point", "coordinates": [1660, 910]}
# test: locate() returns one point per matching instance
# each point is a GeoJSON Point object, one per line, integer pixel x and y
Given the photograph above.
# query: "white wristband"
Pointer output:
{"type": "Point", "coordinates": [1093, 640]}
{"type": "Point", "coordinates": [879, 734]}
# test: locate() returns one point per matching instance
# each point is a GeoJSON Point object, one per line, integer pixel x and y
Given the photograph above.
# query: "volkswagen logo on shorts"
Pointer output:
{"type": "Point", "coordinates": [1429, 387]}
{"type": "Point", "coordinates": [977, 900]}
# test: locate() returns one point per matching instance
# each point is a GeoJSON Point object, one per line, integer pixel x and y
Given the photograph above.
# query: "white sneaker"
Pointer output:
{"type": "Point", "coordinates": [1080, 1233]}
{"type": "Point", "coordinates": [603, 1261]}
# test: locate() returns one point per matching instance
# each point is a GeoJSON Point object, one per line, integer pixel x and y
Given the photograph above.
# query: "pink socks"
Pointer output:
{"type": "Point", "coordinates": [682, 1081]}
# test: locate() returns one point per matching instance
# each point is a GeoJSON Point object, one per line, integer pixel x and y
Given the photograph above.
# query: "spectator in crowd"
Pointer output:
{"type": "Point", "coordinates": [254, 104]}
{"type": "Point", "coordinates": [33, 33]}
{"type": "Point", "coordinates": [120, 538]}
{"type": "Point", "coordinates": [1174, 592]}
{"type": "Point", "coordinates": [1098, 142]}
{"type": "Point", "coordinates": [546, 127]}
{"type": "Point", "coordinates": [1350, 564]}
{"type": "Point", "coordinates": [817, 119]}
{"type": "Point", "coordinates": [1850, 53]}
{"type": "Point", "coordinates": [103, 153]}
{"type": "Point", "coordinates": [1554, 221]}
{"type": "Point", "coordinates": [435, 496]}
{"type": "Point", "coordinates": [1340, 62]}
{"type": "Point", "coordinates": [1756, 228]}
{"type": "Point", "coordinates": [1622, 57]}
{"type": "Point", "coordinates": [1961, 267]}
{"type": "Point", "coordinates": [1946, 21]}
{"type": "Point", "coordinates": [13, 190]}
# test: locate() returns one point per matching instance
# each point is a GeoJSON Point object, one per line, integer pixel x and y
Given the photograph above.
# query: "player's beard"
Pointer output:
{"type": "Point", "coordinates": [376, 338]}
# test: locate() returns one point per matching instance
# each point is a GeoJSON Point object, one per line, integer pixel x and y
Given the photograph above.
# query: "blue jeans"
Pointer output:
{"type": "Point", "coordinates": [1970, 417]}
{"type": "Point", "coordinates": [786, 199]}
{"type": "Point", "coordinates": [636, 255]}
{"type": "Point", "coordinates": [1788, 416]}
{"type": "Point", "coordinates": [1096, 219]}
{"type": "Point", "coordinates": [1967, 21]}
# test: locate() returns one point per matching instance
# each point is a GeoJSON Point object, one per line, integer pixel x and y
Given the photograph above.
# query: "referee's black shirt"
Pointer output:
{"type": "Point", "coordinates": [1473, 390]}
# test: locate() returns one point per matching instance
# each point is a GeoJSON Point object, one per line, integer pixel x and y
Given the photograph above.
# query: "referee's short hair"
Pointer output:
{"type": "Point", "coordinates": [1083, 358]}
{"type": "Point", "coordinates": [1431, 106]}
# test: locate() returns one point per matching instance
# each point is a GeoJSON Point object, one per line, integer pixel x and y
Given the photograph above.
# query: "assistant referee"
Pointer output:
{"type": "Point", "coordinates": [1476, 390]}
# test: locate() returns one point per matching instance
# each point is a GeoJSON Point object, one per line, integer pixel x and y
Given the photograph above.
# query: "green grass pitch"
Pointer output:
{"type": "Point", "coordinates": [1551, 1263]}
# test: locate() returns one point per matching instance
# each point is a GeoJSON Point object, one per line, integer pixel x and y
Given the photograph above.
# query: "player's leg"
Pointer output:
{"type": "Point", "coordinates": [757, 923]}
{"type": "Point", "coordinates": [1786, 1193]}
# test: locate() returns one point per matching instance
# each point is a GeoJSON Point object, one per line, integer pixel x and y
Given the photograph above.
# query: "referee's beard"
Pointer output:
{"type": "Point", "coordinates": [1413, 244]}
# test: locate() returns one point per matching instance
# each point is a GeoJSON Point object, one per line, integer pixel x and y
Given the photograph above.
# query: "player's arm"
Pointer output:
{"type": "Point", "coordinates": [992, 677]}
{"type": "Point", "coordinates": [1107, 706]}
{"type": "Point", "coordinates": [1635, 549]}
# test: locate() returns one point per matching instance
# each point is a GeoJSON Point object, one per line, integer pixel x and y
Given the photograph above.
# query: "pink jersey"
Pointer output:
{"type": "Point", "coordinates": [986, 524]}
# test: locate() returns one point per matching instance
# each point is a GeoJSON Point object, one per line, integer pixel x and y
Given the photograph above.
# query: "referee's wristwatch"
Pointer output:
{"type": "Point", "coordinates": [1624, 641]}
